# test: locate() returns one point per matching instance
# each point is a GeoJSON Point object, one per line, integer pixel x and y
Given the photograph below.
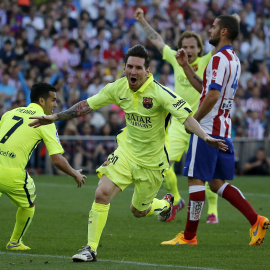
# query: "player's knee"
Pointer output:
{"type": "Point", "coordinates": [213, 188]}
{"type": "Point", "coordinates": [102, 196]}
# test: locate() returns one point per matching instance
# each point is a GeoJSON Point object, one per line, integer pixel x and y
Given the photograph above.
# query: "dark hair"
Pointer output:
{"type": "Point", "coordinates": [39, 90]}
{"type": "Point", "coordinates": [232, 25]}
{"type": "Point", "coordinates": [8, 41]}
{"type": "Point", "coordinates": [138, 51]}
{"type": "Point", "coordinates": [190, 34]}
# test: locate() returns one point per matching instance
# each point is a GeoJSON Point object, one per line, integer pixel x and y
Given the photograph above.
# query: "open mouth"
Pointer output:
{"type": "Point", "coordinates": [133, 80]}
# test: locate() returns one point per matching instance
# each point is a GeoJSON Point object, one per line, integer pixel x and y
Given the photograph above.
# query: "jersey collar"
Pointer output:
{"type": "Point", "coordinates": [148, 81]}
{"type": "Point", "coordinates": [226, 47]}
{"type": "Point", "coordinates": [195, 62]}
{"type": "Point", "coordinates": [36, 106]}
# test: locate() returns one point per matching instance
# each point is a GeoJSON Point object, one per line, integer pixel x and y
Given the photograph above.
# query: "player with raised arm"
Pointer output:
{"type": "Point", "coordinates": [204, 164]}
{"type": "Point", "coordinates": [193, 45]}
{"type": "Point", "coordinates": [17, 143]}
{"type": "Point", "coordinates": [141, 156]}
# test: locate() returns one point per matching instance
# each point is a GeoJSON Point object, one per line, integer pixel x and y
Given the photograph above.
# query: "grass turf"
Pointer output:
{"type": "Point", "coordinates": [59, 229]}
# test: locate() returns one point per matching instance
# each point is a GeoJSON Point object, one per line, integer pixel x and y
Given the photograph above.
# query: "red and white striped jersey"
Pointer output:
{"type": "Point", "coordinates": [222, 73]}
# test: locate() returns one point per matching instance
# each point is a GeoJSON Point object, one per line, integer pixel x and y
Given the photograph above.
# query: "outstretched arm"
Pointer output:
{"type": "Point", "coordinates": [61, 163]}
{"type": "Point", "coordinates": [192, 125]}
{"type": "Point", "coordinates": [194, 79]}
{"type": "Point", "coordinates": [79, 109]}
{"type": "Point", "coordinates": [151, 34]}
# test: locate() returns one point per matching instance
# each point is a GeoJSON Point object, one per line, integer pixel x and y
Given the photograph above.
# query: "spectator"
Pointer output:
{"type": "Point", "coordinates": [49, 25]}
{"type": "Point", "coordinates": [38, 57]}
{"type": "Point", "coordinates": [250, 19]}
{"type": "Point", "coordinates": [6, 91]}
{"type": "Point", "coordinates": [5, 35]}
{"type": "Point", "coordinates": [59, 55]}
{"type": "Point", "coordinates": [7, 54]}
{"type": "Point", "coordinates": [258, 50]}
{"type": "Point", "coordinates": [113, 52]}
{"type": "Point", "coordinates": [46, 42]}
{"type": "Point", "coordinates": [258, 165]}
{"type": "Point", "coordinates": [95, 87]}
{"type": "Point", "coordinates": [33, 24]}
{"type": "Point", "coordinates": [255, 127]}
{"type": "Point", "coordinates": [3, 14]}
{"type": "Point", "coordinates": [111, 7]}
{"type": "Point", "coordinates": [74, 53]}
{"type": "Point", "coordinates": [20, 50]}
{"type": "Point", "coordinates": [14, 19]}
{"type": "Point", "coordinates": [245, 74]}
{"type": "Point", "coordinates": [255, 103]}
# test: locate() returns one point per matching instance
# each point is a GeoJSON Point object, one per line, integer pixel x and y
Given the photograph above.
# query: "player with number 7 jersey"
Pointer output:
{"type": "Point", "coordinates": [17, 143]}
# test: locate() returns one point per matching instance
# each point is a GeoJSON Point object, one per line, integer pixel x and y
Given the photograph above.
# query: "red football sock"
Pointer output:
{"type": "Point", "coordinates": [195, 207]}
{"type": "Point", "coordinates": [233, 195]}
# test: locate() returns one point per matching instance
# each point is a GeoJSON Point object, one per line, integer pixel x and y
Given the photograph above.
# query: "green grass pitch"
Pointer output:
{"type": "Point", "coordinates": [59, 229]}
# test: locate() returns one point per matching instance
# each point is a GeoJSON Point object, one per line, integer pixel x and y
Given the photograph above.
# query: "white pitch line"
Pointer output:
{"type": "Point", "coordinates": [113, 261]}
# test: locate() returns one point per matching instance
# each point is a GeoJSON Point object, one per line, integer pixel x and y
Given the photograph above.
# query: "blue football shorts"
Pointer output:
{"type": "Point", "coordinates": [206, 162]}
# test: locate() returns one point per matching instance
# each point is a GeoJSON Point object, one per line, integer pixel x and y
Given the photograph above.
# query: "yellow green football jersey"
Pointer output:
{"type": "Point", "coordinates": [182, 85]}
{"type": "Point", "coordinates": [18, 140]}
{"type": "Point", "coordinates": [147, 114]}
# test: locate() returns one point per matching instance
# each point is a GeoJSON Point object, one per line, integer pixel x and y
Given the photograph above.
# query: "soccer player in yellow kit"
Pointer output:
{"type": "Point", "coordinates": [17, 143]}
{"type": "Point", "coordinates": [193, 45]}
{"type": "Point", "coordinates": [141, 156]}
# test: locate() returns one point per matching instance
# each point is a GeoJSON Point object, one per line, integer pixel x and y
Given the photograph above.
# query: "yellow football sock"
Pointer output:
{"type": "Point", "coordinates": [97, 220]}
{"type": "Point", "coordinates": [24, 218]}
{"type": "Point", "coordinates": [157, 206]}
{"type": "Point", "coordinates": [170, 183]}
{"type": "Point", "coordinates": [212, 199]}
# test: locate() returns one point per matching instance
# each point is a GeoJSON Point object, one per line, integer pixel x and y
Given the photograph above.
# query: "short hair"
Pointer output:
{"type": "Point", "coordinates": [39, 90]}
{"type": "Point", "coordinates": [190, 34]}
{"type": "Point", "coordinates": [8, 41]}
{"type": "Point", "coordinates": [231, 24]}
{"type": "Point", "coordinates": [138, 51]}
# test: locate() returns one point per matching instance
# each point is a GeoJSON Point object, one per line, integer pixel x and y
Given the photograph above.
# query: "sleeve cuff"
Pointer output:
{"type": "Point", "coordinates": [215, 86]}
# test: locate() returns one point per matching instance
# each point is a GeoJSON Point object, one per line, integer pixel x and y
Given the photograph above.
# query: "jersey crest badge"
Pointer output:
{"type": "Point", "coordinates": [214, 74]}
{"type": "Point", "coordinates": [106, 163]}
{"type": "Point", "coordinates": [147, 103]}
{"type": "Point", "coordinates": [195, 67]}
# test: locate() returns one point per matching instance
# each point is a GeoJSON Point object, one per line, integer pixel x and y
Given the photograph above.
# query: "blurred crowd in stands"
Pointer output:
{"type": "Point", "coordinates": [79, 46]}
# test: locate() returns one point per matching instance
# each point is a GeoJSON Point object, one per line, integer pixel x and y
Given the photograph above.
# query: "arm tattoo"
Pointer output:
{"type": "Point", "coordinates": [150, 33]}
{"type": "Point", "coordinates": [79, 109]}
{"type": "Point", "coordinates": [198, 79]}
{"type": "Point", "coordinates": [153, 36]}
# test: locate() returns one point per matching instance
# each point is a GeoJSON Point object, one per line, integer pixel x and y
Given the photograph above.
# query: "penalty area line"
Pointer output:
{"type": "Point", "coordinates": [111, 261]}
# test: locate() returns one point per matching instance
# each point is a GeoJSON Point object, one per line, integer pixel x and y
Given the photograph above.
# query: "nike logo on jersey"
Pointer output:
{"type": "Point", "coordinates": [122, 98]}
{"type": "Point", "coordinates": [255, 233]}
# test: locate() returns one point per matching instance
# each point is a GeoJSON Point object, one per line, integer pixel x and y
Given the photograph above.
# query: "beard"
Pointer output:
{"type": "Point", "coordinates": [214, 41]}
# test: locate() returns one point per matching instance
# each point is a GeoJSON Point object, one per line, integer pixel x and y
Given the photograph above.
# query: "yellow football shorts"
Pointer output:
{"type": "Point", "coordinates": [178, 140]}
{"type": "Point", "coordinates": [18, 185]}
{"type": "Point", "coordinates": [121, 171]}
